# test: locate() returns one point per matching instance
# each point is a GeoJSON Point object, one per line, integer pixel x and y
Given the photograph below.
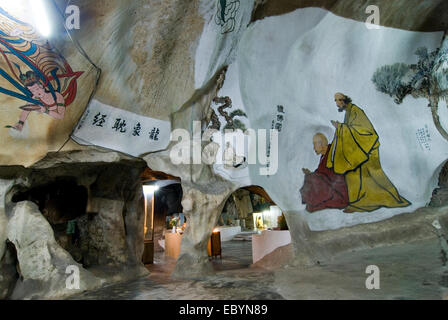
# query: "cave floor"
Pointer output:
{"type": "Point", "coordinates": [408, 271]}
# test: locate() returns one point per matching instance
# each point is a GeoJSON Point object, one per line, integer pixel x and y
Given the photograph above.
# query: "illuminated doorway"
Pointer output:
{"type": "Point", "coordinates": [248, 214]}
{"type": "Point", "coordinates": [162, 197]}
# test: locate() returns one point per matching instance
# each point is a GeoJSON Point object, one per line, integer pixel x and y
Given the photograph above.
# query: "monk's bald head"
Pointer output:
{"type": "Point", "coordinates": [320, 143]}
{"type": "Point", "coordinates": [320, 137]}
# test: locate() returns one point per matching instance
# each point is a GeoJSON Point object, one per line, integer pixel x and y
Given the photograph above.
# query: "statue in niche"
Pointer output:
{"type": "Point", "coordinates": [259, 224]}
{"type": "Point", "coordinates": [354, 153]}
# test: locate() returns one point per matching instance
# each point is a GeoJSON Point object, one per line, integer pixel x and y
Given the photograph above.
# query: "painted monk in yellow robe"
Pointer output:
{"type": "Point", "coordinates": [354, 152]}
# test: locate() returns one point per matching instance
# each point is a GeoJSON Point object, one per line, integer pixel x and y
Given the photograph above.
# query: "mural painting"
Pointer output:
{"type": "Point", "coordinates": [33, 72]}
{"type": "Point", "coordinates": [353, 155]}
{"type": "Point", "coordinates": [428, 78]}
{"type": "Point", "coordinates": [230, 157]}
{"type": "Point", "coordinates": [226, 13]}
{"type": "Point", "coordinates": [231, 122]}
{"type": "Point", "coordinates": [323, 188]}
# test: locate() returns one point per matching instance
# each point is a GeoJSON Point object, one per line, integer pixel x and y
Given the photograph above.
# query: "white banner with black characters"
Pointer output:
{"type": "Point", "coordinates": [112, 128]}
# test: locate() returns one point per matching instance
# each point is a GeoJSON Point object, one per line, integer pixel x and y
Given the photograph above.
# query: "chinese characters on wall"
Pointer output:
{"type": "Point", "coordinates": [424, 138]}
{"type": "Point", "coordinates": [276, 124]}
{"type": "Point", "coordinates": [121, 126]}
{"type": "Point", "coordinates": [121, 130]}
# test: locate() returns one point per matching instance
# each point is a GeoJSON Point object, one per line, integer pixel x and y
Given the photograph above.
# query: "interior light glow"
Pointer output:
{"type": "Point", "coordinates": [41, 19]}
{"type": "Point", "coordinates": [13, 6]}
{"type": "Point", "coordinates": [150, 189]}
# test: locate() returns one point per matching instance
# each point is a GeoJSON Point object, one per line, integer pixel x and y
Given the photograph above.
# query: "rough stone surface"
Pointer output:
{"type": "Point", "coordinates": [202, 211]}
{"type": "Point", "coordinates": [41, 260]}
{"type": "Point", "coordinates": [401, 278]}
{"type": "Point", "coordinates": [4, 186]}
{"type": "Point", "coordinates": [418, 15]}
{"type": "Point", "coordinates": [440, 194]}
{"type": "Point", "coordinates": [134, 227]}
{"type": "Point", "coordinates": [305, 251]}
{"type": "Point", "coordinates": [397, 230]}
{"type": "Point", "coordinates": [204, 192]}
{"type": "Point", "coordinates": [147, 48]}
{"type": "Point", "coordinates": [243, 203]}
{"type": "Point", "coordinates": [8, 271]}
{"type": "Point", "coordinates": [7, 258]}
{"type": "Point", "coordinates": [103, 236]}
{"type": "Point", "coordinates": [278, 258]}
{"type": "Point", "coordinates": [59, 159]}
{"type": "Point", "coordinates": [323, 246]}
{"type": "Point", "coordinates": [411, 271]}
{"type": "Point", "coordinates": [232, 280]}
{"type": "Point", "coordinates": [111, 227]}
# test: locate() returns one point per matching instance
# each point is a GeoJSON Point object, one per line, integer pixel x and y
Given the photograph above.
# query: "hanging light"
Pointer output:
{"type": "Point", "coordinates": [148, 190]}
{"type": "Point", "coordinates": [34, 12]}
{"type": "Point", "coordinates": [41, 18]}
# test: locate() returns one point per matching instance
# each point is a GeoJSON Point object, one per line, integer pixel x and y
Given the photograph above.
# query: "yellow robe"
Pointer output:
{"type": "Point", "coordinates": [354, 153]}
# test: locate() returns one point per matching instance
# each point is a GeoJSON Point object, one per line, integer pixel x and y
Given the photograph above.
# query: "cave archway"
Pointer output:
{"type": "Point", "coordinates": [163, 197]}
{"type": "Point", "coordinates": [62, 202]}
{"type": "Point", "coordinates": [247, 215]}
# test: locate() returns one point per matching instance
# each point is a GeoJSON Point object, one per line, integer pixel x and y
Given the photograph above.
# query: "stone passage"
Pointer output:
{"type": "Point", "coordinates": [72, 213]}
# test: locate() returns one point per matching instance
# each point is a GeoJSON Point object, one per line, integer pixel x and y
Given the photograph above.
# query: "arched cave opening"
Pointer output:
{"type": "Point", "coordinates": [62, 202]}
{"type": "Point", "coordinates": [163, 211]}
{"type": "Point", "coordinates": [249, 217]}
{"type": "Point", "coordinates": [85, 213]}
{"type": "Point", "coordinates": [167, 206]}
{"type": "Point", "coordinates": [248, 227]}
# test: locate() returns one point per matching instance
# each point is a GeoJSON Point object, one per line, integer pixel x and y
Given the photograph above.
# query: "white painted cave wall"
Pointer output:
{"type": "Point", "coordinates": [299, 60]}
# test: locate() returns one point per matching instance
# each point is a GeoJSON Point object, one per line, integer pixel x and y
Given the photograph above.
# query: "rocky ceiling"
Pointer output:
{"type": "Point", "coordinates": [412, 15]}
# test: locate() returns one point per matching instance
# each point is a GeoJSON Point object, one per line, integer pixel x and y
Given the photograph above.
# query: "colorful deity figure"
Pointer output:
{"type": "Point", "coordinates": [51, 103]}
{"type": "Point", "coordinates": [48, 84]}
{"type": "Point", "coordinates": [354, 153]}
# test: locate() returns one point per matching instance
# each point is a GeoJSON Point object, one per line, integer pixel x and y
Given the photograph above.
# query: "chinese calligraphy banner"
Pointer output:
{"type": "Point", "coordinates": [109, 127]}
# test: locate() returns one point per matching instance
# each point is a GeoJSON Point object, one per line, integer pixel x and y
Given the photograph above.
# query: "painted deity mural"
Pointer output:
{"type": "Point", "coordinates": [40, 85]}
{"type": "Point", "coordinates": [373, 159]}
{"type": "Point", "coordinates": [349, 175]}
{"type": "Point", "coordinates": [35, 74]}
